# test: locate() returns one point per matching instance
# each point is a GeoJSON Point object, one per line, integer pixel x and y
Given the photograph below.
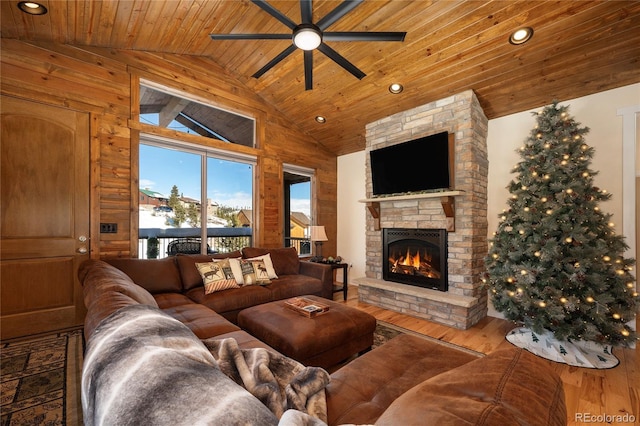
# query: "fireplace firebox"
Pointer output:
{"type": "Point", "coordinates": [416, 257]}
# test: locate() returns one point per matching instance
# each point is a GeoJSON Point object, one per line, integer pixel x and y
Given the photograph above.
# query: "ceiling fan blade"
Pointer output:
{"type": "Point", "coordinates": [262, 4]}
{"type": "Point", "coordinates": [337, 13]}
{"type": "Point", "coordinates": [250, 36]}
{"type": "Point", "coordinates": [340, 60]}
{"type": "Point", "coordinates": [306, 11]}
{"type": "Point", "coordinates": [364, 36]}
{"type": "Point", "coordinates": [308, 69]}
{"type": "Point", "coordinates": [286, 52]}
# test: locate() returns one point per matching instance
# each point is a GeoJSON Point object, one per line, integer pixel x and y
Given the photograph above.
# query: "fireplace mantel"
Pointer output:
{"type": "Point", "coordinates": [412, 196]}
{"type": "Point", "coordinates": [446, 199]}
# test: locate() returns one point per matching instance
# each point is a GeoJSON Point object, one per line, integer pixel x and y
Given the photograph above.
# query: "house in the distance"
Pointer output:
{"type": "Point", "coordinates": [152, 198]}
{"type": "Point", "coordinates": [298, 224]}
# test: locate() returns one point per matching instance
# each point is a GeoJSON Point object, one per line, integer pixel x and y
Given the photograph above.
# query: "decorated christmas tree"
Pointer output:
{"type": "Point", "coordinates": [555, 262]}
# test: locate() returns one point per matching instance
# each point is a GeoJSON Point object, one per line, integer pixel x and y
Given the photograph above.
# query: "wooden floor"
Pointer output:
{"type": "Point", "coordinates": [612, 392]}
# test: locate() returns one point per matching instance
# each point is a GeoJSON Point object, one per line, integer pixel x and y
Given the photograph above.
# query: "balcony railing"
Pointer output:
{"type": "Point", "coordinates": [220, 240]}
{"type": "Point", "coordinates": [303, 245]}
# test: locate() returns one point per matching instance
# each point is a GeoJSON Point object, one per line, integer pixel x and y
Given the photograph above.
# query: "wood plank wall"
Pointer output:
{"type": "Point", "coordinates": [104, 83]}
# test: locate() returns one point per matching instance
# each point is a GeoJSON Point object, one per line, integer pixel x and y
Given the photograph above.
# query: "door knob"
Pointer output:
{"type": "Point", "coordinates": [82, 238]}
{"type": "Point", "coordinates": [82, 250]}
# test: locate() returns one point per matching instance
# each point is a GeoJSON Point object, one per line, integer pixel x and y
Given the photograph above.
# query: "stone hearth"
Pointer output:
{"type": "Point", "coordinates": [465, 302]}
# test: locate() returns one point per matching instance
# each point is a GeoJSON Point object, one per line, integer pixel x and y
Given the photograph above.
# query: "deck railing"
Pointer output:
{"type": "Point", "coordinates": [220, 240]}
{"type": "Point", "coordinates": [303, 245]}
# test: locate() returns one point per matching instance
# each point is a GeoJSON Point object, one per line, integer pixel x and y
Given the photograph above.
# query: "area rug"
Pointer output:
{"type": "Point", "coordinates": [41, 379]}
{"type": "Point", "coordinates": [578, 353]}
{"type": "Point", "coordinates": [385, 331]}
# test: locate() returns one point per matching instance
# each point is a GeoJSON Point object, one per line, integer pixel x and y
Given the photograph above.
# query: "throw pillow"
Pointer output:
{"type": "Point", "coordinates": [252, 271]}
{"type": "Point", "coordinates": [271, 272]}
{"type": "Point", "coordinates": [285, 260]}
{"type": "Point", "coordinates": [261, 271]}
{"type": "Point", "coordinates": [236, 268]}
{"type": "Point", "coordinates": [189, 273]}
{"type": "Point", "coordinates": [216, 276]}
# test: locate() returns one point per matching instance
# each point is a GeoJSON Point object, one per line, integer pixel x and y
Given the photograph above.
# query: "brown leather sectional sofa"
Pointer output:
{"type": "Point", "coordinates": [176, 287]}
{"type": "Point", "coordinates": [406, 381]}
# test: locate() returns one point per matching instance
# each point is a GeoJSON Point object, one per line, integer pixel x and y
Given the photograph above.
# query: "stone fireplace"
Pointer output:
{"type": "Point", "coordinates": [462, 212]}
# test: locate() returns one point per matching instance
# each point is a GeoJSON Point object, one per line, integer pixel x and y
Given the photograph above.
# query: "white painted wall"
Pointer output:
{"type": "Point", "coordinates": [351, 214]}
{"type": "Point", "coordinates": [506, 134]}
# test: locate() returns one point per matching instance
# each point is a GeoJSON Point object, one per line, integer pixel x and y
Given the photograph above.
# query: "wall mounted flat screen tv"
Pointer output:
{"type": "Point", "coordinates": [418, 165]}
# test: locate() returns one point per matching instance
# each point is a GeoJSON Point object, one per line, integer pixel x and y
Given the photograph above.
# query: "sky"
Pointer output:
{"type": "Point", "coordinates": [228, 183]}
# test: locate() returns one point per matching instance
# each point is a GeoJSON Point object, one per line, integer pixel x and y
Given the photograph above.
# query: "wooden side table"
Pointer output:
{"type": "Point", "coordinates": [337, 287]}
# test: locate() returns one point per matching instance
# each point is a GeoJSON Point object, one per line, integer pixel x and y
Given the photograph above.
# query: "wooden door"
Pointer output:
{"type": "Point", "coordinates": [44, 222]}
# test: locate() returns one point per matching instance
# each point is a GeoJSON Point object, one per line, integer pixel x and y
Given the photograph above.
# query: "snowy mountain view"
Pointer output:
{"type": "Point", "coordinates": [164, 220]}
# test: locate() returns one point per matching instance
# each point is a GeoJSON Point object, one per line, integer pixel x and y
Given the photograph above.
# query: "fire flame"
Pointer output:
{"type": "Point", "coordinates": [413, 264]}
{"type": "Point", "coordinates": [411, 260]}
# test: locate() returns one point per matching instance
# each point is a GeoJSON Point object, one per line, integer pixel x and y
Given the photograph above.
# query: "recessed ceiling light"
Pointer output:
{"type": "Point", "coordinates": [396, 88]}
{"type": "Point", "coordinates": [321, 119]}
{"type": "Point", "coordinates": [521, 36]}
{"type": "Point", "coordinates": [32, 8]}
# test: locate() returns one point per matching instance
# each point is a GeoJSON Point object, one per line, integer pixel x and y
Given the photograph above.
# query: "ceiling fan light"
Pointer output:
{"type": "Point", "coordinates": [32, 8]}
{"type": "Point", "coordinates": [521, 35]}
{"type": "Point", "coordinates": [306, 37]}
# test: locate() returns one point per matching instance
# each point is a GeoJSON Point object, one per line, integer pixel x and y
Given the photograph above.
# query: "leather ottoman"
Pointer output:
{"type": "Point", "coordinates": [321, 341]}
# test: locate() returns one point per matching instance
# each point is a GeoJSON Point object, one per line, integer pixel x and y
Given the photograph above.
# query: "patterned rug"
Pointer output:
{"type": "Point", "coordinates": [41, 379]}
{"type": "Point", "coordinates": [385, 331]}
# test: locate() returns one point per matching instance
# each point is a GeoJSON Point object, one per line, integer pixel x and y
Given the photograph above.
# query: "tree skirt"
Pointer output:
{"type": "Point", "coordinates": [578, 353]}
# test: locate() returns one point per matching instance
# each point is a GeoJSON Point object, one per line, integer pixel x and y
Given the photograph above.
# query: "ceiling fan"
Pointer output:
{"type": "Point", "coordinates": [309, 36]}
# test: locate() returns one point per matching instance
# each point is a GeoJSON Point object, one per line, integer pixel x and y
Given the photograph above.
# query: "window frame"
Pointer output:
{"type": "Point", "coordinates": [205, 152]}
{"type": "Point", "coordinates": [200, 100]}
{"type": "Point", "coordinates": [311, 174]}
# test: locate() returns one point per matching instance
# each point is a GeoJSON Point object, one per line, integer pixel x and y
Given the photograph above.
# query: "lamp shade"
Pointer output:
{"type": "Point", "coordinates": [318, 233]}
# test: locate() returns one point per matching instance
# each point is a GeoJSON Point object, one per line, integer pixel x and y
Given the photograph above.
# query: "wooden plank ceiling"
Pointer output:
{"type": "Point", "coordinates": [579, 48]}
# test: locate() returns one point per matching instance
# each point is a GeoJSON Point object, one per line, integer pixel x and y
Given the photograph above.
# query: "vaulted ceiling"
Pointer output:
{"type": "Point", "coordinates": [578, 48]}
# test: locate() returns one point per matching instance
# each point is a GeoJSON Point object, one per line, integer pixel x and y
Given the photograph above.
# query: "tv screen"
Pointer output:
{"type": "Point", "coordinates": [419, 165]}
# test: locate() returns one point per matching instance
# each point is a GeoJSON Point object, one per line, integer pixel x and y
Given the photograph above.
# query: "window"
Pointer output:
{"type": "Point", "coordinates": [297, 208]}
{"type": "Point", "coordinates": [184, 186]}
{"type": "Point", "coordinates": [192, 194]}
{"type": "Point", "coordinates": [160, 107]}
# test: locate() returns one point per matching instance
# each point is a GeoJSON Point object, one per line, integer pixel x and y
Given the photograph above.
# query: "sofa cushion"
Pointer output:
{"type": "Point", "coordinates": [106, 278]}
{"type": "Point", "coordinates": [294, 285]}
{"type": "Point", "coordinates": [245, 340]}
{"type": "Point", "coordinates": [168, 300]}
{"type": "Point", "coordinates": [187, 267]}
{"type": "Point", "coordinates": [107, 289]}
{"type": "Point", "coordinates": [201, 320]}
{"type": "Point", "coordinates": [509, 386]}
{"type": "Point", "coordinates": [101, 307]}
{"type": "Point", "coordinates": [285, 260]}
{"type": "Point", "coordinates": [233, 299]}
{"type": "Point", "coordinates": [155, 275]}
{"type": "Point", "coordinates": [362, 390]}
